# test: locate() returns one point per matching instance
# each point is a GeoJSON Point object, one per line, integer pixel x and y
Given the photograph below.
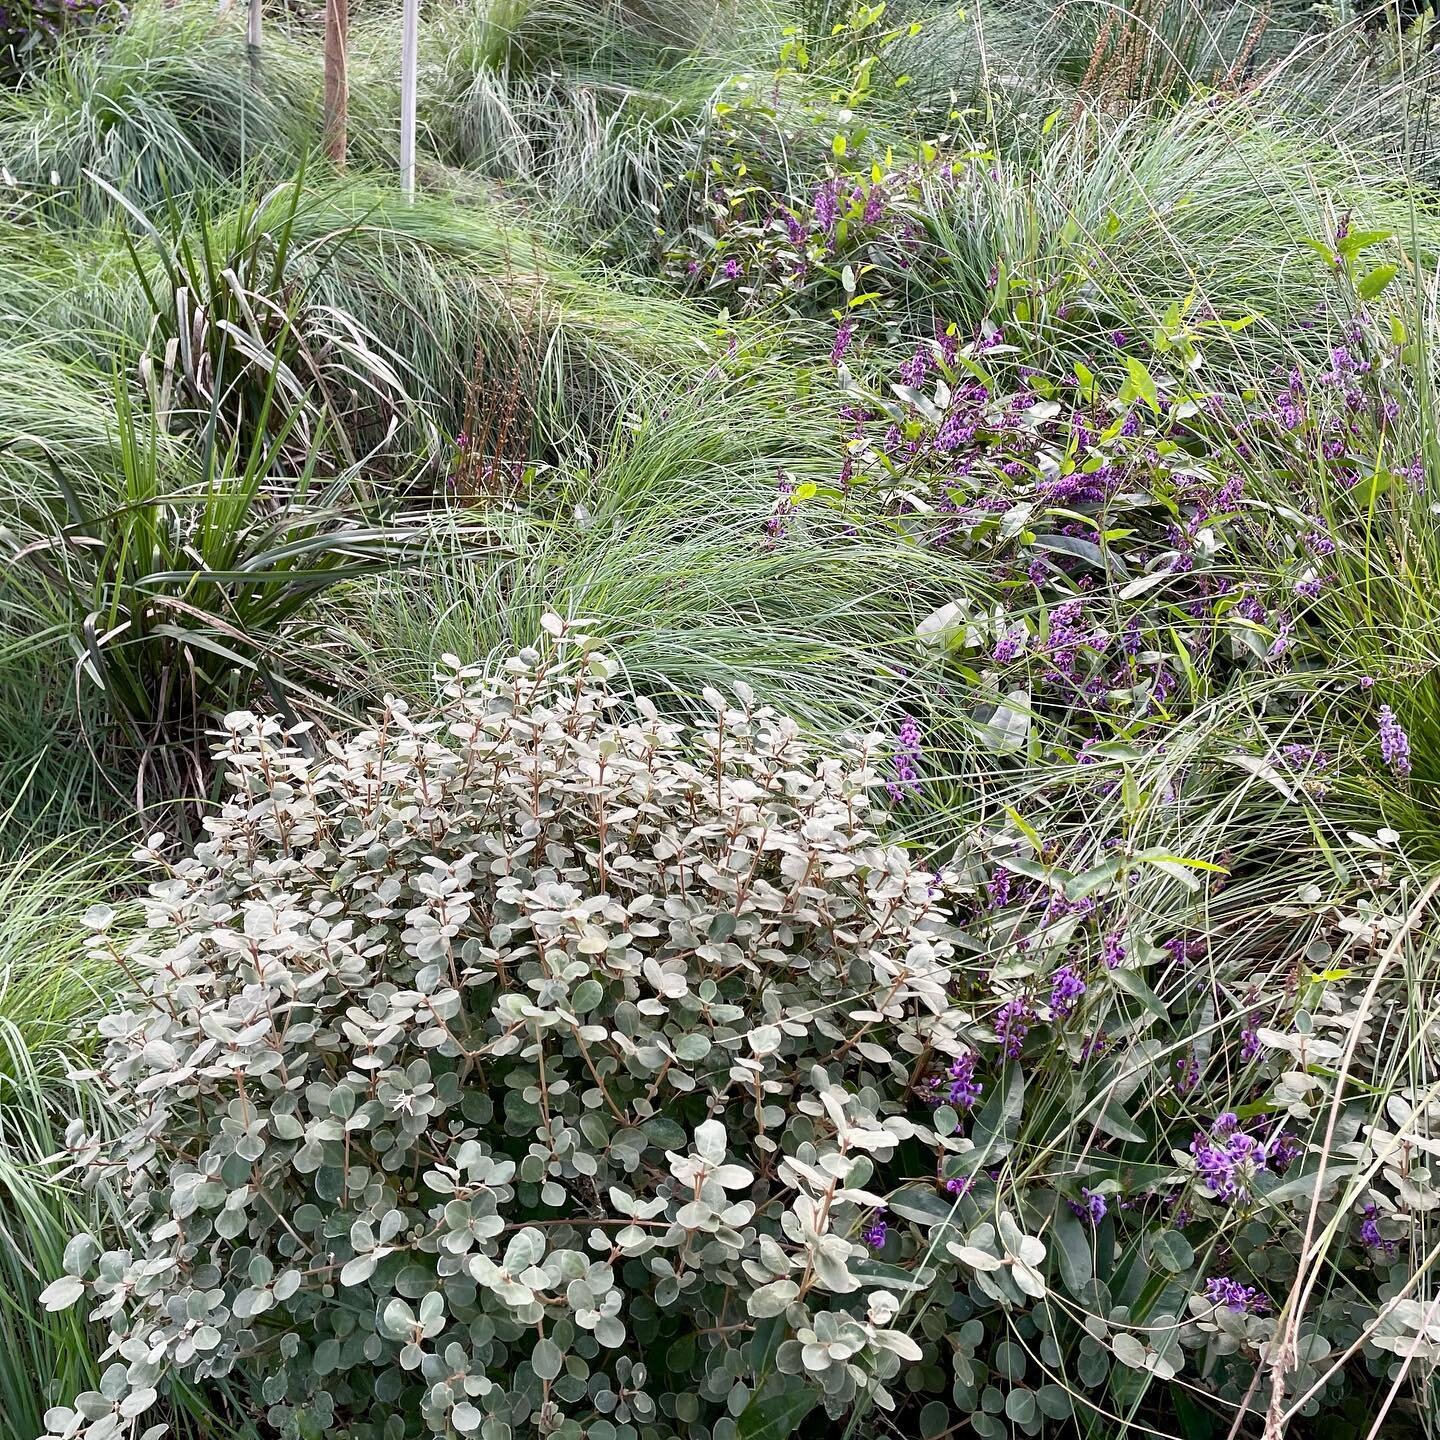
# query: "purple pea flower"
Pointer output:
{"type": "Point", "coordinates": [1012, 1024]}
{"type": "Point", "coordinates": [1066, 988]}
{"type": "Point", "coordinates": [998, 889]}
{"type": "Point", "coordinates": [1010, 646]}
{"type": "Point", "coordinates": [1243, 1299]}
{"type": "Point", "coordinates": [1370, 1231]}
{"type": "Point", "coordinates": [1090, 1207]}
{"type": "Point", "coordinates": [775, 526]}
{"type": "Point", "coordinates": [1394, 742]}
{"type": "Point", "coordinates": [1282, 1151]}
{"type": "Point", "coordinates": [957, 1085]}
{"type": "Point", "coordinates": [1250, 1040]}
{"type": "Point", "coordinates": [827, 208]}
{"type": "Point", "coordinates": [905, 763]}
{"type": "Point", "coordinates": [1228, 1159]}
{"type": "Point", "coordinates": [913, 371]}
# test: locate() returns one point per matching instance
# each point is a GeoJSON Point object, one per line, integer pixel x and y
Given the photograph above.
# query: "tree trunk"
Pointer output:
{"type": "Point", "coordinates": [337, 88]}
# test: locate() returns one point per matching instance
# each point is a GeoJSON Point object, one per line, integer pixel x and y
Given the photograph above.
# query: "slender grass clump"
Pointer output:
{"type": "Point", "coordinates": [166, 105]}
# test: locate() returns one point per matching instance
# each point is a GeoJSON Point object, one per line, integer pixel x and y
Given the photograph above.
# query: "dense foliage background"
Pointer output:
{"type": "Point", "coordinates": [1035, 406]}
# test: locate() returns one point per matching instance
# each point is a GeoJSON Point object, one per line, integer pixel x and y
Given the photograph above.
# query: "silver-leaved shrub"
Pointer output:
{"type": "Point", "coordinates": [534, 1066]}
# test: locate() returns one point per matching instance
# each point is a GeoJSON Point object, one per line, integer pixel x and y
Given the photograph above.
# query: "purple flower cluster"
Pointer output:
{"type": "Point", "coordinates": [1290, 407]}
{"type": "Point", "coordinates": [1343, 366]}
{"type": "Point", "coordinates": [1243, 1299]}
{"type": "Point", "coordinates": [874, 1234]}
{"type": "Point", "coordinates": [1282, 1150]}
{"type": "Point", "coordinates": [963, 418]}
{"type": "Point", "coordinates": [1250, 1040]}
{"type": "Point", "coordinates": [776, 525]}
{"type": "Point", "coordinates": [1010, 646]}
{"type": "Point", "coordinates": [997, 889]}
{"type": "Point", "coordinates": [1281, 643]}
{"type": "Point", "coordinates": [1303, 757]}
{"type": "Point", "coordinates": [1058, 907]}
{"type": "Point", "coordinates": [1066, 988]}
{"type": "Point", "coordinates": [914, 370]}
{"type": "Point", "coordinates": [1394, 742]}
{"type": "Point", "coordinates": [1228, 1159]}
{"type": "Point", "coordinates": [905, 763]}
{"type": "Point", "coordinates": [1090, 1206]}
{"type": "Point", "coordinates": [843, 335]}
{"type": "Point", "coordinates": [827, 207]}
{"type": "Point", "coordinates": [1112, 950]}
{"type": "Point", "coordinates": [1181, 951]}
{"type": "Point", "coordinates": [956, 1085]}
{"type": "Point", "coordinates": [1012, 1024]}
{"type": "Point", "coordinates": [1370, 1231]}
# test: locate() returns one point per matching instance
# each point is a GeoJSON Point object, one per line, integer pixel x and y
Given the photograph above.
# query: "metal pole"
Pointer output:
{"type": "Point", "coordinates": [409, 65]}
{"type": "Point", "coordinates": [252, 33]}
